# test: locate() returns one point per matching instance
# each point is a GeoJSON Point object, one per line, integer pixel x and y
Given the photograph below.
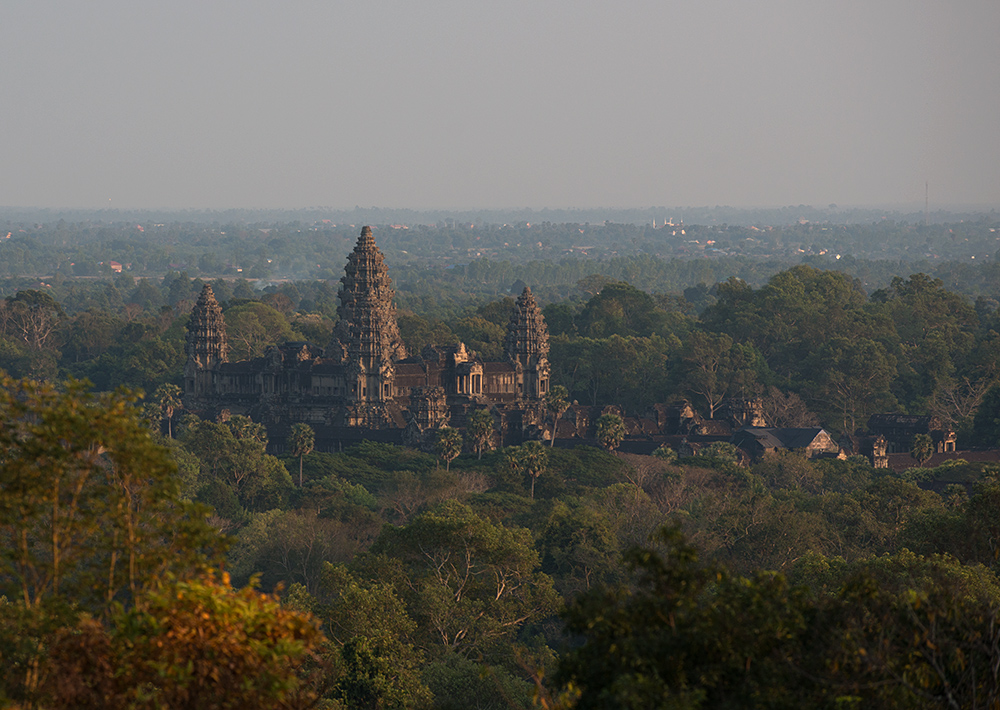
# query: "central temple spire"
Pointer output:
{"type": "Point", "coordinates": [205, 344]}
{"type": "Point", "coordinates": [367, 334]}
{"type": "Point", "coordinates": [527, 347]}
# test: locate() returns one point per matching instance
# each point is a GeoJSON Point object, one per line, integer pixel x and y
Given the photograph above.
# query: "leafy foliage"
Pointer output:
{"type": "Point", "coordinates": [470, 584]}
{"type": "Point", "coordinates": [190, 643]}
{"type": "Point", "coordinates": [610, 431]}
{"type": "Point", "coordinates": [415, 611]}
{"type": "Point", "coordinates": [529, 459]}
{"type": "Point", "coordinates": [479, 429]}
{"type": "Point", "coordinates": [448, 445]}
{"type": "Point", "coordinates": [90, 503]}
{"type": "Point", "coordinates": [301, 441]}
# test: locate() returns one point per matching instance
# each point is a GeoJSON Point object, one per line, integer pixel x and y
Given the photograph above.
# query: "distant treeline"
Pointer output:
{"type": "Point", "coordinates": [711, 215]}
{"type": "Point", "coordinates": [441, 266]}
{"type": "Point", "coordinates": [816, 336]}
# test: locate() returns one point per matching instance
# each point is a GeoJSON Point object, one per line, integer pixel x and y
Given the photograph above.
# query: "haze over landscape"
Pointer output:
{"type": "Point", "coordinates": [457, 106]}
{"type": "Point", "coordinates": [506, 355]}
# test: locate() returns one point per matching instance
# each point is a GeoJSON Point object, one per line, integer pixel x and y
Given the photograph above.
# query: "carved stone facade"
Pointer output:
{"type": "Point", "coordinates": [205, 344]}
{"type": "Point", "coordinates": [363, 385]}
{"type": "Point", "coordinates": [743, 412]}
{"type": "Point", "coordinates": [527, 346]}
{"type": "Point", "coordinates": [366, 339]}
{"type": "Point", "coordinates": [900, 429]}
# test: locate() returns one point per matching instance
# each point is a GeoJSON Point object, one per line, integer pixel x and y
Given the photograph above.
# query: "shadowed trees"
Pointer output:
{"type": "Point", "coordinates": [479, 430]}
{"type": "Point", "coordinates": [610, 431]}
{"type": "Point", "coordinates": [529, 459]}
{"type": "Point", "coordinates": [556, 402]}
{"type": "Point", "coordinates": [109, 600]}
{"type": "Point", "coordinates": [448, 445]}
{"type": "Point", "coordinates": [301, 440]}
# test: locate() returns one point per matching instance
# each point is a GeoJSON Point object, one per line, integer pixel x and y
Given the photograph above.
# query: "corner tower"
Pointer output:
{"type": "Point", "coordinates": [366, 338]}
{"type": "Point", "coordinates": [527, 347]}
{"type": "Point", "coordinates": [205, 345]}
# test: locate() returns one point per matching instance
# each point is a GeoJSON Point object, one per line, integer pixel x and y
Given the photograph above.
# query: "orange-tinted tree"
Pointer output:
{"type": "Point", "coordinates": [188, 644]}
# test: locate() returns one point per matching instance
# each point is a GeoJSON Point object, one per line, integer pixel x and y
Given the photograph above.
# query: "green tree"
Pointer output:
{"type": "Point", "coordinates": [470, 584]}
{"type": "Point", "coordinates": [560, 318]}
{"type": "Point", "coordinates": [418, 332]}
{"type": "Point", "coordinates": [578, 548]}
{"type": "Point", "coordinates": [935, 328]}
{"type": "Point", "coordinates": [244, 427]}
{"type": "Point", "coordinates": [786, 409]}
{"type": "Point", "coordinates": [981, 519]}
{"type": "Point", "coordinates": [986, 423]}
{"type": "Point", "coordinates": [167, 399]}
{"type": "Point", "coordinates": [621, 309]}
{"type": "Point", "coordinates": [260, 480]}
{"type": "Point", "coordinates": [376, 664]}
{"type": "Point", "coordinates": [610, 431]}
{"type": "Point", "coordinates": [234, 455]}
{"type": "Point", "coordinates": [481, 336]}
{"type": "Point", "coordinates": [854, 377]}
{"type": "Point", "coordinates": [922, 448]}
{"type": "Point", "coordinates": [89, 501]}
{"type": "Point", "coordinates": [914, 631]}
{"type": "Point", "coordinates": [713, 367]}
{"type": "Point", "coordinates": [448, 445]}
{"type": "Point", "coordinates": [628, 372]}
{"type": "Point", "coordinates": [890, 631]}
{"type": "Point", "coordinates": [665, 454]}
{"type": "Point", "coordinates": [459, 683]}
{"type": "Point", "coordinates": [793, 315]}
{"type": "Point", "coordinates": [688, 635]}
{"type": "Point", "coordinates": [209, 441]}
{"type": "Point", "coordinates": [285, 547]}
{"type": "Point", "coordinates": [722, 450]}
{"type": "Point", "coordinates": [301, 441]}
{"type": "Point", "coordinates": [31, 316]}
{"type": "Point", "coordinates": [479, 429]}
{"type": "Point", "coordinates": [252, 326]}
{"type": "Point", "coordinates": [86, 335]}
{"type": "Point", "coordinates": [90, 513]}
{"type": "Point", "coordinates": [142, 360]}
{"type": "Point", "coordinates": [556, 402]}
{"type": "Point", "coordinates": [529, 459]}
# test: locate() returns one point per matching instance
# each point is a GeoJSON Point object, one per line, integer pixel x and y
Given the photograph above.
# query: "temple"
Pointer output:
{"type": "Point", "coordinates": [364, 384]}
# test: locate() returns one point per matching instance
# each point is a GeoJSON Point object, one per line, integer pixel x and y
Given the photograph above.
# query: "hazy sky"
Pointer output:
{"type": "Point", "coordinates": [467, 104]}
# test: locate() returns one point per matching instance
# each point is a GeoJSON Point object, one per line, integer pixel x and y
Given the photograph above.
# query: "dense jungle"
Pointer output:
{"type": "Point", "coordinates": [154, 559]}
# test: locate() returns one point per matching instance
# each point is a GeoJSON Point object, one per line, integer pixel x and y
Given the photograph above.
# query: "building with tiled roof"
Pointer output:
{"type": "Point", "coordinates": [812, 441]}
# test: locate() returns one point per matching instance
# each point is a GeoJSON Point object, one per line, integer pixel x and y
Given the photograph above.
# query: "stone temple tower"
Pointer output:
{"type": "Point", "coordinates": [205, 345]}
{"type": "Point", "coordinates": [366, 338]}
{"type": "Point", "coordinates": [527, 347]}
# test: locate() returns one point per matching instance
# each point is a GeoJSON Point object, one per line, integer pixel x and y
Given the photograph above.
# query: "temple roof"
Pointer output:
{"type": "Point", "coordinates": [781, 437]}
{"type": "Point", "coordinates": [367, 330]}
{"type": "Point", "coordinates": [206, 330]}
{"type": "Point", "coordinates": [527, 334]}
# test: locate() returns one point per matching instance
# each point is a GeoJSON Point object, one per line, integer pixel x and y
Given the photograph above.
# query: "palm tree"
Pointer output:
{"type": "Point", "coordinates": [610, 431]}
{"type": "Point", "coordinates": [448, 445]}
{"type": "Point", "coordinates": [922, 448]}
{"type": "Point", "coordinates": [530, 458]}
{"type": "Point", "coordinates": [557, 402]}
{"type": "Point", "coordinates": [301, 441]}
{"type": "Point", "coordinates": [167, 398]}
{"type": "Point", "coordinates": [480, 430]}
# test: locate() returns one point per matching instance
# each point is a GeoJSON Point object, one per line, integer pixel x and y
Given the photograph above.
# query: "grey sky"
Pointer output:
{"type": "Point", "coordinates": [466, 104]}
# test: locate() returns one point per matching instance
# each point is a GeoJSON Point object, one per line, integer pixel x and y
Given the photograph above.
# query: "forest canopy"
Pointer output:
{"type": "Point", "coordinates": [384, 576]}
